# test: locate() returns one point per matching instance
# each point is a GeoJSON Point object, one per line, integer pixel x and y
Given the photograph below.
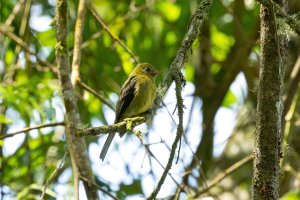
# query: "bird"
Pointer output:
{"type": "Point", "coordinates": [136, 97]}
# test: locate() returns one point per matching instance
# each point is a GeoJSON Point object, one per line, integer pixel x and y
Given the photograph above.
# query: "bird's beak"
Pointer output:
{"type": "Point", "coordinates": [155, 73]}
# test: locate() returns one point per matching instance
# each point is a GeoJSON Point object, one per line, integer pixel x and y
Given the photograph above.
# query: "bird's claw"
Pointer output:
{"type": "Point", "coordinates": [128, 124]}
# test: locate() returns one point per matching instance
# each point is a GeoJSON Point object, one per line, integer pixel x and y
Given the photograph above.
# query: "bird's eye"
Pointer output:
{"type": "Point", "coordinates": [148, 69]}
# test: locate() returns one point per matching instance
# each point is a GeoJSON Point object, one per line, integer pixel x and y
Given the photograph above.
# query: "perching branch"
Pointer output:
{"type": "Point", "coordinates": [127, 124]}
{"type": "Point", "coordinates": [31, 128]}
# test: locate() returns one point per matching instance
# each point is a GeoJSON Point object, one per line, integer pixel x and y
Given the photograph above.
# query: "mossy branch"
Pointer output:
{"type": "Point", "coordinates": [127, 124]}
{"type": "Point", "coordinates": [293, 23]}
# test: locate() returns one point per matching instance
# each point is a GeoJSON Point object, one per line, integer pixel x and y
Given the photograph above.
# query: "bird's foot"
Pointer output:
{"type": "Point", "coordinates": [128, 124]}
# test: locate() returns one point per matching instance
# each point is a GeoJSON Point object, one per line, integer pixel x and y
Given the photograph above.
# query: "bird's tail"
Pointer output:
{"type": "Point", "coordinates": [106, 145]}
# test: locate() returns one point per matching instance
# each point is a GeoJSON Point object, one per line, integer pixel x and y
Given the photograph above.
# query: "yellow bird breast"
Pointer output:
{"type": "Point", "coordinates": [144, 96]}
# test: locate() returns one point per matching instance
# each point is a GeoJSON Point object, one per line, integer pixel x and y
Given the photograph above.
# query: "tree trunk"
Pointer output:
{"type": "Point", "coordinates": [76, 146]}
{"type": "Point", "coordinates": [267, 151]}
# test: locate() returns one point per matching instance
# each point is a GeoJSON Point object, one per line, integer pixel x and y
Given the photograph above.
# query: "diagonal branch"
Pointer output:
{"type": "Point", "coordinates": [99, 96]}
{"type": "Point", "coordinates": [115, 38]}
{"type": "Point", "coordinates": [99, 188]}
{"type": "Point", "coordinates": [178, 82]}
{"type": "Point", "coordinates": [54, 173]}
{"type": "Point", "coordinates": [24, 46]}
{"type": "Point", "coordinates": [224, 174]}
{"type": "Point", "coordinates": [14, 13]}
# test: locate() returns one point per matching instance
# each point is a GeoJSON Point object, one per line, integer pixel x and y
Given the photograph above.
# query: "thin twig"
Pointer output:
{"type": "Point", "coordinates": [293, 87]}
{"type": "Point", "coordinates": [75, 75]}
{"type": "Point", "coordinates": [115, 38]}
{"type": "Point", "coordinates": [99, 188]}
{"type": "Point", "coordinates": [227, 172]}
{"type": "Point", "coordinates": [14, 13]}
{"type": "Point", "coordinates": [21, 43]}
{"type": "Point", "coordinates": [99, 96]}
{"type": "Point", "coordinates": [32, 128]}
{"type": "Point", "coordinates": [153, 156]}
{"type": "Point", "coordinates": [179, 133]}
{"type": "Point", "coordinates": [54, 173]}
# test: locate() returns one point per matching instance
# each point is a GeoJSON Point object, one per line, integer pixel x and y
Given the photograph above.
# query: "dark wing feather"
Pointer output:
{"type": "Point", "coordinates": [125, 98]}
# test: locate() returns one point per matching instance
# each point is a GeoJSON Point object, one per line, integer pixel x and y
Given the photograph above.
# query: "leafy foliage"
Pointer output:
{"type": "Point", "coordinates": [153, 31]}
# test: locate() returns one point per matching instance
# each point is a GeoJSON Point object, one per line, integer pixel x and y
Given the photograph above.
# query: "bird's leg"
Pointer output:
{"type": "Point", "coordinates": [129, 127]}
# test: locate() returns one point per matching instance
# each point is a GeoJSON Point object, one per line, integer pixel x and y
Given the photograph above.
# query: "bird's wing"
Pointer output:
{"type": "Point", "coordinates": [125, 98]}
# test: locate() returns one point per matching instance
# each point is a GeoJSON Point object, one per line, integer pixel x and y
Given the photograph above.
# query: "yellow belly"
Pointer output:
{"type": "Point", "coordinates": [143, 98]}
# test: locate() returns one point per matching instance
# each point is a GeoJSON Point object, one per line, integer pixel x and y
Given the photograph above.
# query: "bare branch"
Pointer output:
{"type": "Point", "coordinates": [31, 128]}
{"type": "Point", "coordinates": [99, 188]}
{"type": "Point", "coordinates": [99, 96]}
{"type": "Point", "coordinates": [54, 173]}
{"type": "Point", "coordinates": [75, 75]}
{"type": "Point", "coordinates": [179, 82]}
{"type": "Point", "coordinates": [22, 44]}
{"type": "Point", "coordinates": [14, 13]}
{"type": "Point", "coordinates": [293, 87]}
{"type": "Point", "coordinates": [224, 174]}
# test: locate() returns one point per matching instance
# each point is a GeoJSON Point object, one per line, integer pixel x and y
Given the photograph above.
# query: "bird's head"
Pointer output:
{"type": "Point", "coordinates": [146, 69]}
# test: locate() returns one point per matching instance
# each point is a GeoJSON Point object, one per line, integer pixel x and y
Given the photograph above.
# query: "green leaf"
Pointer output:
{"type": "Point", "coordinates": [170, 10]}
{"type": "Point", "coordinates": [4, 120]}
{"type": "Point", "coordinates": [189, 72]}
{"type": "Point", "coordinates": [34, 190]}
{"type": "Point", "coordinates": [229, 99]}
{"type": "Point", "coordinates": [295, 195]}
{"type": "Point", "coordinates": [221, 44]}
{"type": "Point", "coordinates": [131, 189]}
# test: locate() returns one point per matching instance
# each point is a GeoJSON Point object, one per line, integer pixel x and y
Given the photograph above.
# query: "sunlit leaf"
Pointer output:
{"type": "Point", "coordinates": [221, 44]}
{"type": "Point", "coordinates": [4, 119]}
{"type": "Point", "coordinates": [189, 72]}
{"type": "Point", "coordinates": [229, 99]}
{"type": "Point", "coordinates": [292, 196]}
{"type": "Point", "coordinates": [170, 10]}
